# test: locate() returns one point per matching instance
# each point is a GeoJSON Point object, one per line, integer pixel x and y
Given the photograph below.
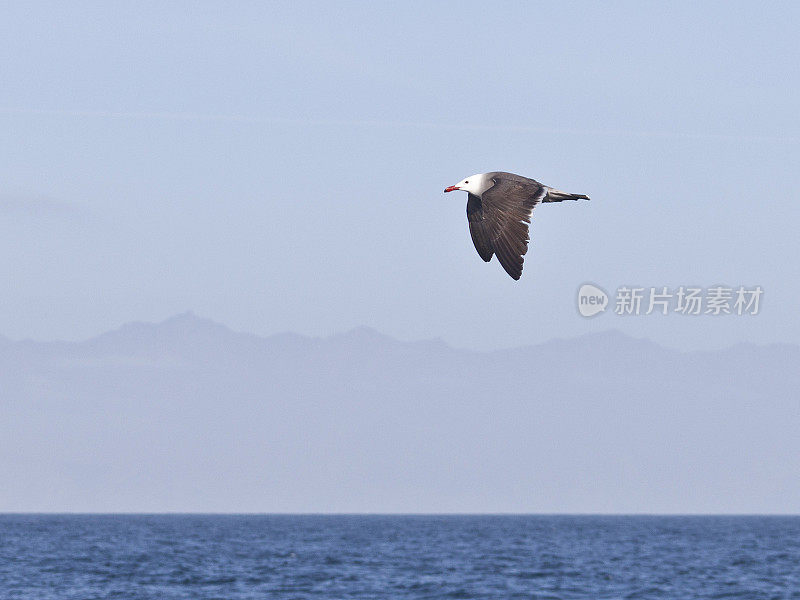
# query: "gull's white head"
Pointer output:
{"type": "Point", "coordinates": [474, 184]}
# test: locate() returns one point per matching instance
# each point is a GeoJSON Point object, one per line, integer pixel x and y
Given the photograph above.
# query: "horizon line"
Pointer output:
{"type": "Point", "coordinates": [400, 514]}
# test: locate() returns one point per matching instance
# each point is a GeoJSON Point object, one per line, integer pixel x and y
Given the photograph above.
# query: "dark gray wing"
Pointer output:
{"type": "Point", "coordinates": [479, 228]}
{"type": "Point", "coordinates": [499, 219]}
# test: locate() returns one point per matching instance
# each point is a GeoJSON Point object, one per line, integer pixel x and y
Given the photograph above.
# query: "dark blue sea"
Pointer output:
{"type": "Point", "coordinates": [83, 557]}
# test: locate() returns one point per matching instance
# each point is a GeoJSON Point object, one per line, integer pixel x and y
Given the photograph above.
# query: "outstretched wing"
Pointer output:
{"type": "Point", "coordinates": [479, 228]}
{"type": "Point", "coordinates": [499, 219]}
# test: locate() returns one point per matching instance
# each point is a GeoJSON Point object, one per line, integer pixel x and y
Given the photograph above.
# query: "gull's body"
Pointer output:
{"type": "Point", "coordinates": [499, 207]}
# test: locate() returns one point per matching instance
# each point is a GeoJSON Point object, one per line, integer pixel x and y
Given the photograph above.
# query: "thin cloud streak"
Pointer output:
{"type": "Point", "coordinates": [16, 204]}
{"type": "Point", "coordinates": [261, 120]}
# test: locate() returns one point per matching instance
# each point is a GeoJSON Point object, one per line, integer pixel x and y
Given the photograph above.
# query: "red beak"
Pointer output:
{"type": "Point", "coordinates": [452, 188]}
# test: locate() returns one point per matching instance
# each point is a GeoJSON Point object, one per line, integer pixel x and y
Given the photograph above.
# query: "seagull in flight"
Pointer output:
{"type": "Point", "coordinates": [499, 207]}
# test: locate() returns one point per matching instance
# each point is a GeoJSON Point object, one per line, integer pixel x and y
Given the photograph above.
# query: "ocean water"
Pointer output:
{"type": "Point", "coordinates": [83, 557]}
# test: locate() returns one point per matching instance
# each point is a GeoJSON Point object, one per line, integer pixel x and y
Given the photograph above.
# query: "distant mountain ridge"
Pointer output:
{"type": "Point", "coordinates": [188, 325]}
{"type": "Point", "coordinates": [188, 415]}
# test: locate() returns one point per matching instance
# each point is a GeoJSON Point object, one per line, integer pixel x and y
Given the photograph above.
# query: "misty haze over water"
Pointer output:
{"type": "Point", "coordinates": [187, 415]}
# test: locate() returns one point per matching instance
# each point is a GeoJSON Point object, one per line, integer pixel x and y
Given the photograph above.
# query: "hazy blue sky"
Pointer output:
{"type": "Point", "coordinates": [280, 166]}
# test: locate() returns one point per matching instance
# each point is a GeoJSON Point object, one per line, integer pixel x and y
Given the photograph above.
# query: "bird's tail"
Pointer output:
{"type": "Point", "coordinates": [557, 196]}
